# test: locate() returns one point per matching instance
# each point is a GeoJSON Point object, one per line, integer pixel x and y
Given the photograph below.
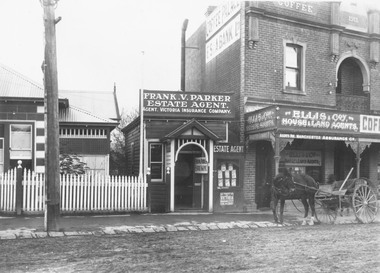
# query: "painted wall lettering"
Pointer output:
{"type": "Point", "coordinates": [220, 16]}
{"type": "Point", "coordinates": [301, 158]}
{"type": "Point", "coordinates": [223, 39]}
{"type": "Point", "coordinates": [298, 6]}
{"type": "Point", "coordinates": [228, 148]}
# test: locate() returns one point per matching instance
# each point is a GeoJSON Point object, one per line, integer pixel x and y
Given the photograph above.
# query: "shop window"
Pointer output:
{"type": "Point", "coordinates": [293, 68]}
{"type": "Point", "coordinates": [227, 174]}
{"type": "Point", "coordinates": [21, 141]}
{"type": "Point", "coordinates": [156, 161]}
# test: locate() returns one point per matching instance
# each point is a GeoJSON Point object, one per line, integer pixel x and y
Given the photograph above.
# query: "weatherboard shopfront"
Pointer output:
{"type": "Point", "coordinates": [325, 144]}
{"type": "Point", "coordinates": [192, 164]}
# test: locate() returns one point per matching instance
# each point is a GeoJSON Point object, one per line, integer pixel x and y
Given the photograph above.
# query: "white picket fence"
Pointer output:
{"type": "Point", "coordinates": [83, 193]}
{"type": "Point", "coordinates": [8, 191]}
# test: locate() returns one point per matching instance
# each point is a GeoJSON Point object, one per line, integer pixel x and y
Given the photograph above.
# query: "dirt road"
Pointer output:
{"type": "Point", "coordinates": [322, 248]}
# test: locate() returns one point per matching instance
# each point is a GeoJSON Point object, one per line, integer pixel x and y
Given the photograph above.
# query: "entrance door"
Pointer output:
{"type": "Point", "coordinates": [188, 185]}
{"type": "Point", "coordinates": [264, 173]}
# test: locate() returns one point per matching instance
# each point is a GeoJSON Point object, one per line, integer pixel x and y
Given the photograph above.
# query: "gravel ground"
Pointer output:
{"type": "Point", "coordinates": [321, 248]}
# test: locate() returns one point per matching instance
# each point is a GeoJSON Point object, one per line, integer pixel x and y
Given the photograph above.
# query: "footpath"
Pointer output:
{"type": "Point", "coordinates": [33, 226]}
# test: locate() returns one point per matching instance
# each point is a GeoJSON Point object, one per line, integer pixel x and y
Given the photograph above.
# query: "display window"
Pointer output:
{"type": "Point", "coordinates": [227, 174]}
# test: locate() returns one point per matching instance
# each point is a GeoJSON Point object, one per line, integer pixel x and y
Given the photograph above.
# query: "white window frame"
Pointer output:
{"type": "Point", "coordinates": [157, 162]}
{"type": "Point", "coordinates": [31, 142]}
{"type": "Point", "coordinates": [301, 90]}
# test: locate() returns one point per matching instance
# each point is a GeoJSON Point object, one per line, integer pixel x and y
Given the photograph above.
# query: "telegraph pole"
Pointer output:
{"type": "Point", "coordinates": [52, 182]}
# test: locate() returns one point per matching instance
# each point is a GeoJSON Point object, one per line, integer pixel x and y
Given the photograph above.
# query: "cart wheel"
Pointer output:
{"type": "Point", "coordinates": [323, 213]}
{"type": "Point", "coordinates": [364, 203]}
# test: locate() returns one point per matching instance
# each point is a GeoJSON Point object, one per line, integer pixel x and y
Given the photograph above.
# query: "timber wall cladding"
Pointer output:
{"type": "Point", "coordinates": [84, 146]}
{"type": "Point", "coordinates": [132, 141]}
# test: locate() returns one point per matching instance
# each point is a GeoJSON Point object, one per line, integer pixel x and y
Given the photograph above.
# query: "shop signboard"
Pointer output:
{"type": "Point", "coordinates": [176, 104]}
{"type": "Point", "coordinates": [259, 120]}
{"type": "Point", "coordinates": [200, 165]}
{"type": "Point", "coordinates": [318, 121]}
{"type": "Point", "coordinates": [370, 124]}
{"type": "Point", "coordinates": [317, 137]}
{"type": "Point", "coordinates": [229, 148]}
{"type": "Point", "coordinates": [226, 198]}
{"type": "Point", "coordinates": [301, 158]}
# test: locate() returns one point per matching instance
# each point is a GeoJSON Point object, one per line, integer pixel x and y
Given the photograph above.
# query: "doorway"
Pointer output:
{"type": "Point", "coordinates": [189, 185]}
{"type": "Point", "coordinates": [264, 173]}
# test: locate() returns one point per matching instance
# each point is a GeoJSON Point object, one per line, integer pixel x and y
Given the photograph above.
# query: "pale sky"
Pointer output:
{"type": "Point", "coordinates": [100, 42]}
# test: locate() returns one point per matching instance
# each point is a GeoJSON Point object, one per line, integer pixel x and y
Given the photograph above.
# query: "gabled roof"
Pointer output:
{"type": "Point", "coordinates": [190, 125]}
{"type": "Point", "coordinates": [84, 106]}
{"type": "Point", "coordinates": [103, 104]}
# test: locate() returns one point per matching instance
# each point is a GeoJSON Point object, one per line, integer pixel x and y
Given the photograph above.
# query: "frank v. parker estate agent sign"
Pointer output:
{"type": "Point", "coordinates": [188, 104]}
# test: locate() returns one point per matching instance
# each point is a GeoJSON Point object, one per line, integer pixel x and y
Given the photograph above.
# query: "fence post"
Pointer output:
{"type": "Point", "coordinates": [148, 179]}
{"type": "Point", "coordinates": [19, 188]}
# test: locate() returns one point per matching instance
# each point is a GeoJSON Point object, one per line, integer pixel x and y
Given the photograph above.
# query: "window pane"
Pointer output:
{"type": "Point", "coordinates": [292, 54]}
{"type": "Point", "coordinates": [292, 77]}
{"type": "Point", "coordinates": [156, 170]}
{"type": "Point", "coordinates": [21, 137]}
{"type": "Point", "coordinates": [156, 153]}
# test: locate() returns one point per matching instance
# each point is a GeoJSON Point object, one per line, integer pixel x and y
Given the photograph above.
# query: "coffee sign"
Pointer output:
{"type": "Point", "coordinates": [188, 104]}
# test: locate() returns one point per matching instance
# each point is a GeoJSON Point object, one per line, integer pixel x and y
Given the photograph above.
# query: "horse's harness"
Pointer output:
{"type": "Point", "coordinates": [284, 191]}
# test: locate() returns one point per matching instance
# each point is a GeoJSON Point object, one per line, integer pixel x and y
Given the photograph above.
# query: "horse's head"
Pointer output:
{"type": "Point", "coordinates": [283, 183]}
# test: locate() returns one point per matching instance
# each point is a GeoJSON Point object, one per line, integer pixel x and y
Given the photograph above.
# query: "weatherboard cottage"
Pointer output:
{"type": "Point", "coordinates": [189, 152]}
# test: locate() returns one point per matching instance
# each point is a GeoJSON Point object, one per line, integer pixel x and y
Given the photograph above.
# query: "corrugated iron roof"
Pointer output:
{"type": "Point", "coordinates": [13, 84]}
{"type": "Point", "coordinates": [73, 114]}
{"type": "Point", "coordinates": [100, 103]}
{"type": "Point", "coordinates": [84, 106]}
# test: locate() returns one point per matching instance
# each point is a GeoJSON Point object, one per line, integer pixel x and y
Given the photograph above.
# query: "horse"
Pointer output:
{"type": "Point", "coordinates": [287, 186]}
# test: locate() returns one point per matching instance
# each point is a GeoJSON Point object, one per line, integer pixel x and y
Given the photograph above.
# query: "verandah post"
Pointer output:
{"type": "Point", "coordinates": [148, 181]}
{"type": "Point", "coordinates": [19, 188]}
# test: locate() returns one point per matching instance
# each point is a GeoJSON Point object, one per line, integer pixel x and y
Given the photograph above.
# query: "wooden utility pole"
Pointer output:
{"type": "Point", "coordinates": [52, 210]}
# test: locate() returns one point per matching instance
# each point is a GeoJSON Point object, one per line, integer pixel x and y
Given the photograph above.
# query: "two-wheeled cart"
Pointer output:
{"type": "Point", "coordinates": [358, 194]}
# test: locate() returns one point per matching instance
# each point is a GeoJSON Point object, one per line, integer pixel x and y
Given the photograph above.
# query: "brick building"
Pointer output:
{"type": "Point", "coordinates": [85, 122]}
{"type": "Point", "coordinates": [306, 78]}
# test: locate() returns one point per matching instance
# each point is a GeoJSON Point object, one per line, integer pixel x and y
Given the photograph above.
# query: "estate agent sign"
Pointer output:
{"type": "Point", "coordinates": [310, 123]}
{"type": "Point", "coordinates": [176, 104]}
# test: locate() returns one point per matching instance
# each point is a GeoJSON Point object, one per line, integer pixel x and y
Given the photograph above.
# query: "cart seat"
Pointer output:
{"type": "Point", "coordinates": [327, 190]}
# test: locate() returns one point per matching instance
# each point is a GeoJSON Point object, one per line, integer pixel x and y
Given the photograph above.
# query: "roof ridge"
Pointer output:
{"type": "Point", "coordinates": [21, 76]}
{"type": "Point", "coordinates": [84, 91]}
